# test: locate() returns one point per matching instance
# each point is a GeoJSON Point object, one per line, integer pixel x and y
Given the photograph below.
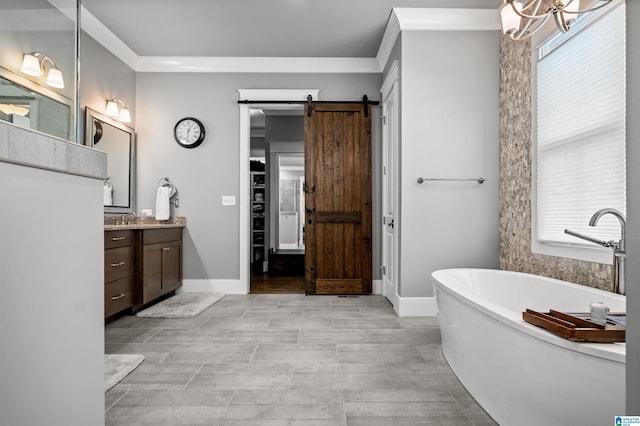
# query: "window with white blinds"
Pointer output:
{"type": "Point", "coordinates": [579, 141]}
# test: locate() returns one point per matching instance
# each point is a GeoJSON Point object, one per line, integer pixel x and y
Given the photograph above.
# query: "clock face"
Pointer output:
{"type": "Point", "coordinates": [189, 132]}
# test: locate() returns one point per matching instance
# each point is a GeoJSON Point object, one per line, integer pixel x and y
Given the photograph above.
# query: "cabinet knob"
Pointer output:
{"type": "Point", "coordinates": [166, 249]}
{"type": "Point", "coordinates": [115, 265]}
{"type": "Point", "coordinates": [118, 297]}
{"type": "Point", "coordinates": [118, 238]}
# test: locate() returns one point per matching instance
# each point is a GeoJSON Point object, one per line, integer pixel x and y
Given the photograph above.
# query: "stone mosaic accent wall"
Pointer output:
{"type": "Point", "coordinates": [515, 179]}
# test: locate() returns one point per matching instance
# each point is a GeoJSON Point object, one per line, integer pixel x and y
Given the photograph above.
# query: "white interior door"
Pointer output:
{"type": "Point", "coordinates": [390, 190]}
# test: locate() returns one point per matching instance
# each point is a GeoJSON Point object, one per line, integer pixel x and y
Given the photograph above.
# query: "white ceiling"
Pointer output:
{"type": "Point", "coordinates": [257, 28]}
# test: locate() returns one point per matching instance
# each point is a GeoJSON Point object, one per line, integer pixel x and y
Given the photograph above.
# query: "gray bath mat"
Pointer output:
{"type": "Point", "coordinates": [183, 305]}
{"type": "Point", "coordinates": [118, 366]}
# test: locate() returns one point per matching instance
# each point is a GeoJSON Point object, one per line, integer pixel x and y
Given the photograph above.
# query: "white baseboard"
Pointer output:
{"type": "Point", "coordinates": [214, 286]}
{"type": "Point", "coordinates": [416, 307]}
{"type": "Point", "coordinates": [236, 287]}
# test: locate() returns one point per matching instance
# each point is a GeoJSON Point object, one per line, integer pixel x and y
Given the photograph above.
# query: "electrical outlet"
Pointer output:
{"type": "Point", "coordinates": [228, 200]}
{"type": "Point", "coordinates": [147, 212]}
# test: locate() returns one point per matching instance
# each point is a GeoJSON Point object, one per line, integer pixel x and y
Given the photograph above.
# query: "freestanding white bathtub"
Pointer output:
{"type": "Point", "coordinates": [522, 374]}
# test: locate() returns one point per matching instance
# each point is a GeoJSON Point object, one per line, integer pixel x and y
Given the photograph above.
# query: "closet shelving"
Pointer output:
{"type": "Point", "coordinates": [258, 220]}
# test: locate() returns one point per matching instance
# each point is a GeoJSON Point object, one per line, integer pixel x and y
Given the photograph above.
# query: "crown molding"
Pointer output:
{"type": "Point", "coordinates": [283, 65]}
{"type": "Point", "coordinates": [103, 35]}
{"type": "Point", "coordinates": [426, 19]}
{"type": "Point", "coordinates": [413, 19]}
{"type": "Point", "coordinates": [391, 33]}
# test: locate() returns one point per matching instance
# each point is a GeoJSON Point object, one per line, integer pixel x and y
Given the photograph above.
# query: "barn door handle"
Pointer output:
{"type": "Point", "coordinates": [306, 189]}
{"type": "Point", "coordinates": [310, 212]}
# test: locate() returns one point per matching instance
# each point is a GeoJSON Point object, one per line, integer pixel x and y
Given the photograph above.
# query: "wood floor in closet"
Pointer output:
{"type": "Point", "coordinates": [262, 283]}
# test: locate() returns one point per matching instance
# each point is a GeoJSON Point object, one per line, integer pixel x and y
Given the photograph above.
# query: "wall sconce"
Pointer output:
{"type": "Point", "coordinates": [114, 110]}
{"type": "Point", "coordinates": [517, 18]}
{"type": "Point", "coordinates": [34, 64]}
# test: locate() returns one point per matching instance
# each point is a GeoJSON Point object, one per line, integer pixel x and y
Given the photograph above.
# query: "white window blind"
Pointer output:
{"type": "Point", "coordinates": [580, 131]}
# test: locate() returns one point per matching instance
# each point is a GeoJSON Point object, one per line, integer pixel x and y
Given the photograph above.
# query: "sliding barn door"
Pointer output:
{"type": "Point", "coordinates": [338, 199]}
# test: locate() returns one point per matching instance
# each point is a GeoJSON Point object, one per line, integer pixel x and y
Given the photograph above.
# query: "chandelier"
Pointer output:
{"type": "Point", "coordinates": [521, 21]}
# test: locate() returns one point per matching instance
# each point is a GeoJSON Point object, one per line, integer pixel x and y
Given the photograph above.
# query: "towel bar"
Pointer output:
{"type": "Point", "coordinates": [480, 180]}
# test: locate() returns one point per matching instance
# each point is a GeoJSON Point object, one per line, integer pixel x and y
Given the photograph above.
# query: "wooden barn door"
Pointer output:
{"type": "Point", "coordinates": [338, 199]}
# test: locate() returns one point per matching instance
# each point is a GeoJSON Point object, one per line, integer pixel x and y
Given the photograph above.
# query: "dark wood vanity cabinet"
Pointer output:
{"type": "Point", "coordinates": [140, 266]}
{"type": "Point", "coordinates": [118, 271]}
{"type": "Point", "coordinates": [161, 262]}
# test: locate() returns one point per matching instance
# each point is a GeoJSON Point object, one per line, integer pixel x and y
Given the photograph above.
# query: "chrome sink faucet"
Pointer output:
{"type": "Point", "coordinates": [128, 216]}
{"type": "Point", "coordinates": [618, 247]}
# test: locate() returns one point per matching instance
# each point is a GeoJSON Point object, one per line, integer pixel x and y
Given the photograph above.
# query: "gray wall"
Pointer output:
{"type": "Point", "coordinates": [449, 124]}
{"type": "Point", "coordinates": [633, 207]}
{"type": "Point", "coordinates": [202, 175]}
{"type": "Point", "coordinates": [284, 128]}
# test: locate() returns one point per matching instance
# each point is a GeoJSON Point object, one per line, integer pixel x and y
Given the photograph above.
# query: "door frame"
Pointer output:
{"type": "Point", "coordinates": [244, 205]}
{"type": "Point", "coordinates": [390, 87]}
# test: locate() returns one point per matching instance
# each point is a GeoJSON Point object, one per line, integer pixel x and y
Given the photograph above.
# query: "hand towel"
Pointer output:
{"type": "Point", "coordinates": [107, 194]}
{"type": "Point", "coordinates": [162, 203]}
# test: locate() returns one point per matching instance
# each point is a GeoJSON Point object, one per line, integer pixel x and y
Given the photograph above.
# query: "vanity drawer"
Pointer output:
{"type": "Point", "coordinates": [118, 295]}
{"type": "Point", "coordinates": [118, 263]}
{"type": "Point", "coordinates": [154, 236]}
{"type": "Point", "coordinates": [113, 239]}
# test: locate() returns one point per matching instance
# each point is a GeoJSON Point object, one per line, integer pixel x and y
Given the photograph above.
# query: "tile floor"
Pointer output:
{"type": "Point", "coordinates": [288, 360]}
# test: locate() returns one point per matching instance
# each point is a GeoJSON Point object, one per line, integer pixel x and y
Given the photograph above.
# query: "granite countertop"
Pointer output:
{"type": "Point", "coordinates": [137, 222]}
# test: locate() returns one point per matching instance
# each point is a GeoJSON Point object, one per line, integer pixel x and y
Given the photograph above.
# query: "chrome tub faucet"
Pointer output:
{"type": "Point", "coordinates": [618, 246]}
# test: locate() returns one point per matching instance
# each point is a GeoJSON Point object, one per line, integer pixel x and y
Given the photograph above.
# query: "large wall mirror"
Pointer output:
{"type": "Point", "coordinates": [290, 195]}
{"type": "Point", "coordinates": [118, 142]}
{"type": "Point", "coordinates": [27, 104]}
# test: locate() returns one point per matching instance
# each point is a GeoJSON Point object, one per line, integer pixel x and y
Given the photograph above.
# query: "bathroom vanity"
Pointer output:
{"type": "Point", "coordinates": [118, 271]}
{"type": "Point", "coordinates": [142, 263]}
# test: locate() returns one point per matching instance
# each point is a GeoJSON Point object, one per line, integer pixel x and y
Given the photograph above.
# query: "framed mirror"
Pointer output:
{"type": "Point", "coordinates": [118, 142]}
{"type": "Point", "coordinates": [290, 175]}
{"type": "Point", "coordinates": [27, 104]}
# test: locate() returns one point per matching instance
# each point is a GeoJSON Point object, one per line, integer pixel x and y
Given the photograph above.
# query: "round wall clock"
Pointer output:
{"type": "Point", "coordinates": [189, 132]}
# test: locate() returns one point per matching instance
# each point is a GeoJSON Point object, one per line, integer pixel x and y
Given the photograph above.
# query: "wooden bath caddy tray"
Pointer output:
{"type": "Point", "coordinates": [575, 328]}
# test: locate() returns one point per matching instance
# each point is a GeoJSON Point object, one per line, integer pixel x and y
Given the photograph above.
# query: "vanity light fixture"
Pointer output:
{"type": "Point", "coordinates": [34, 64]}
{"type": "Point", "coordinates": [520, 21]}
{"type": "Point", "coordinates": [114, 110]}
